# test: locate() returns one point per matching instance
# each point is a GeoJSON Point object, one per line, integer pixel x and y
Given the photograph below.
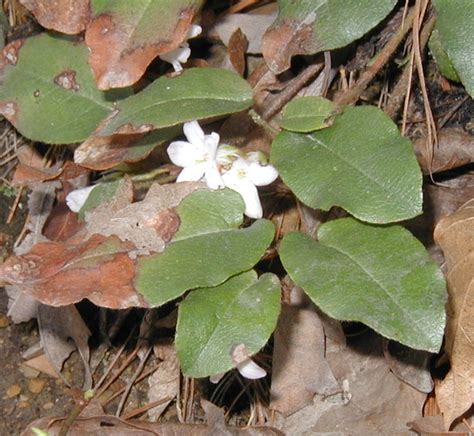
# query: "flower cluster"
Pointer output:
{"type": "Point", "coordinates": [221, 166]}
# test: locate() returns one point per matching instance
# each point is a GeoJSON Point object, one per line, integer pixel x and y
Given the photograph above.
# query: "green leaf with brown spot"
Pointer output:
{"type": "Point", "coordinates": [127, 35]}
{"type": "Point", "coordinates": [47, 90]}
{"type": "Point", "coordinates": [311, 26]}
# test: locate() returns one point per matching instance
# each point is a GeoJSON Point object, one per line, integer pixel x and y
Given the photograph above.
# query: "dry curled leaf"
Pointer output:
{"type": "Point", "coordinates": [65, 16]}
{"type": "Point", "coordinates": [455, 235]}
{"type": "Point", "coordinates": [127, 36]}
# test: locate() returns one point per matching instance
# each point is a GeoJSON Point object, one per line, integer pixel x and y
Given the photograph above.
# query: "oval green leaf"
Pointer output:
{"type": "Point", "coordinates": [308, 27]}
{"type": "Point", "coordinates": [212, 322]}
{"type": "Point", "coordinates": [380, 276]}
{"type": "Point", "coordinates": [455, 23]}
{"type": "Point", "coordinates": [441, 57]}
{"type": "Point", "coordinates": [360, 163]}
{"type": "Point", "coordinates": [195, 94]}
{"type": "Point", "coordinates": [207, 249]}
{"type": "Point", "coordinates": [48, 92]}
{"type": "Point", "coordinates": [306, 114]}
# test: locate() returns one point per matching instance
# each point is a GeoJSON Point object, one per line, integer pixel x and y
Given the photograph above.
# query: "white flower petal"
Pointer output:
{"type": "Point", "coordinates": [262, 175]}
{"type": "Point", "coordinates": [248, 191]}
{"type": "Point", "coordinates": [193, 173]}
{"type": "Point", "coordinates": [210, 143]}
{"type": "Point", "coordinates": [216, 378]}
{"type": "Point", "coordinates": [185, 154]}
{"type": "Point", "coordinates": [76, 199]}
{"type": "Point", "coordinates": [213, 177]}
{"type": "Point", "coordinates": [249, 369]}
{"type": "Point", "coordinates": [192, 130]}
{"type": "Point", "coordinates": [193, 31]}
{"type": "Point", "coordinates": [178, 56]}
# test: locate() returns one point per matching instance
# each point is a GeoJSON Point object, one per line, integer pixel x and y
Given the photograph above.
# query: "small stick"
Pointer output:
{"type": "Point", "coordinates": [241, 6]}
{"type": "Point", "coordinates": [14, 206]}
{"type": "Point", "coordinates": [291, 90]}
{"type": "Point", "coordinates": [353, 94]}
{"type": "Point", "coordinates": [145, 408]}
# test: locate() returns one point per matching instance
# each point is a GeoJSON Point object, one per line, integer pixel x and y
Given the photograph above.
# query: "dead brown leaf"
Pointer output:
{"type": "Point", "coordinates": [373, 400]}
{"type": "Point", "coordinates": [164, 382]}
{"type": "Point", "coordinates": [434, 426]}
{"type": "Point", "coordinates": [57, 325]}
{"type": "Point", "coordinates": [455, 235]}
{"type": "Point", "coordinates": [59, 274]}
{"type": "Point", "coordinates": [238, 44]}
{"type": "Point", "coordinates": [300, 369]}
{"type": "Point", "coordinates": [122, 46]}
{"type": "Point", "coordinates": [65, 16]}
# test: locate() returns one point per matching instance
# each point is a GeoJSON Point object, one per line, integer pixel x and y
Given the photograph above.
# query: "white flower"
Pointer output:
{"type": "Point", "coordinates": [248, 369]}
{"type": "Point", "coordinates": [198, 157]}
{"type": "Point", "coordinates": [244, 176]}
{"type": "Point", "coordinates": [76, 199]}
{"type": "Point", "coordinates": [180, 55]}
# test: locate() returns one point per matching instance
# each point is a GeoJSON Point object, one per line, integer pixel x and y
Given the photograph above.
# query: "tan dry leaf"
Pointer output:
{"type": "Point", "coordinates": [65, 16]}
{"type": "Point", "coordinates": [300, 369]}
{"type": "Point", "coordinates": [455, 235]}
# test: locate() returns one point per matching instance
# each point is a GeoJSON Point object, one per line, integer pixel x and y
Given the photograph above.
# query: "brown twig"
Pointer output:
{"type": "Point", "coordinates": [352, 94]}
{"type": "Point", "coordinates": [291, 90]}
{"type": "Point", "coordinates": [14, 206]}
{"type": "Point", "coordinates": [145, 408]}
{"type": "Point", "coordinates": [240, 6]}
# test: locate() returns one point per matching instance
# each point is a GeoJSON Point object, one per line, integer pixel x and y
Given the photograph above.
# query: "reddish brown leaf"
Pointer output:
{"type": "Point", "coordinates": [127, 36]}
{"type": "Point", "coordinates": [104, 152]}
{"type": "Point", "coordinates": [238, 44]}
{"type": "Point", "coordinates": [455, 235]}
{"type": "Point", "coordinates": [27, 175]}
{"type": "Point", "coordinates": [59, 274]}
{"type": "Point", "coordinates": [65, 16]}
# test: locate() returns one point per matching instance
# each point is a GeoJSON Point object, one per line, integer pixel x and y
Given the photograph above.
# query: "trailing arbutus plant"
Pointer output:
{"type": "Point", "coordinates": [199, 235]}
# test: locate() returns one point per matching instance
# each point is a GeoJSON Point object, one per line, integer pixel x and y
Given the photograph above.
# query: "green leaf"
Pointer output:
{"type": "Point", "coordinates": [360, 163]}
{"type": "Point", "coordinates": [207, 249]}
{"type": "Point", "coordinates": [195, 94]}
{"type": "Point", "coordinates": [100, 194]}
{"type": "Point", "coordinates": [455, 23]}
{"type": "Point", "coordinates": [381, 276]}
{"type": "Point", "coordinates": [312, 26]}
{"type": "Point", "coordinates": [212, 322]}
{"type": "Point", "coordinates": [306, 114]}
{"type": "Point", "coordinates": [441, 57]}
{"type": "Point", "coordinates": [48, 92]}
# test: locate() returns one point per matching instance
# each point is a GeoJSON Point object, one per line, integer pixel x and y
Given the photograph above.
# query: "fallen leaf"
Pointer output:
{"type": "Point", "coordinates": [164, 382]}
{"type": "Point", "coordinates": [148, 224]}
{"type": "Point", "coordinates": [238, 44]}
{"type": "Point", "coordinates": [409, 365]}
{"type": "Point", "coordinates": [126, 37]}
{"type": "Point", "coordinates": [373, 401]}
{"type": "Point", "coordinates": [42, 363]}
{"type": "Point", "coordinates": [65, 16]}
{"type": "Point", "coordinates": [98, 269]}
{"type": "Point", "coordinates": [455, 235]}
{"type": "Point", "coordinates": [253, 26]}
{"type": "Point", "coordinates": [300, 369]}
{"type": "Point", "coordinates": [104, 152]}
{"type": "Point", "coordinates": [433, 425]}
{"type": "Point", "coordinates": [57, 325]}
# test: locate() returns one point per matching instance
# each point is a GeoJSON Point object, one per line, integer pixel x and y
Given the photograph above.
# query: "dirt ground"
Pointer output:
{"type": "Point", "coordinates": [25, 394]}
